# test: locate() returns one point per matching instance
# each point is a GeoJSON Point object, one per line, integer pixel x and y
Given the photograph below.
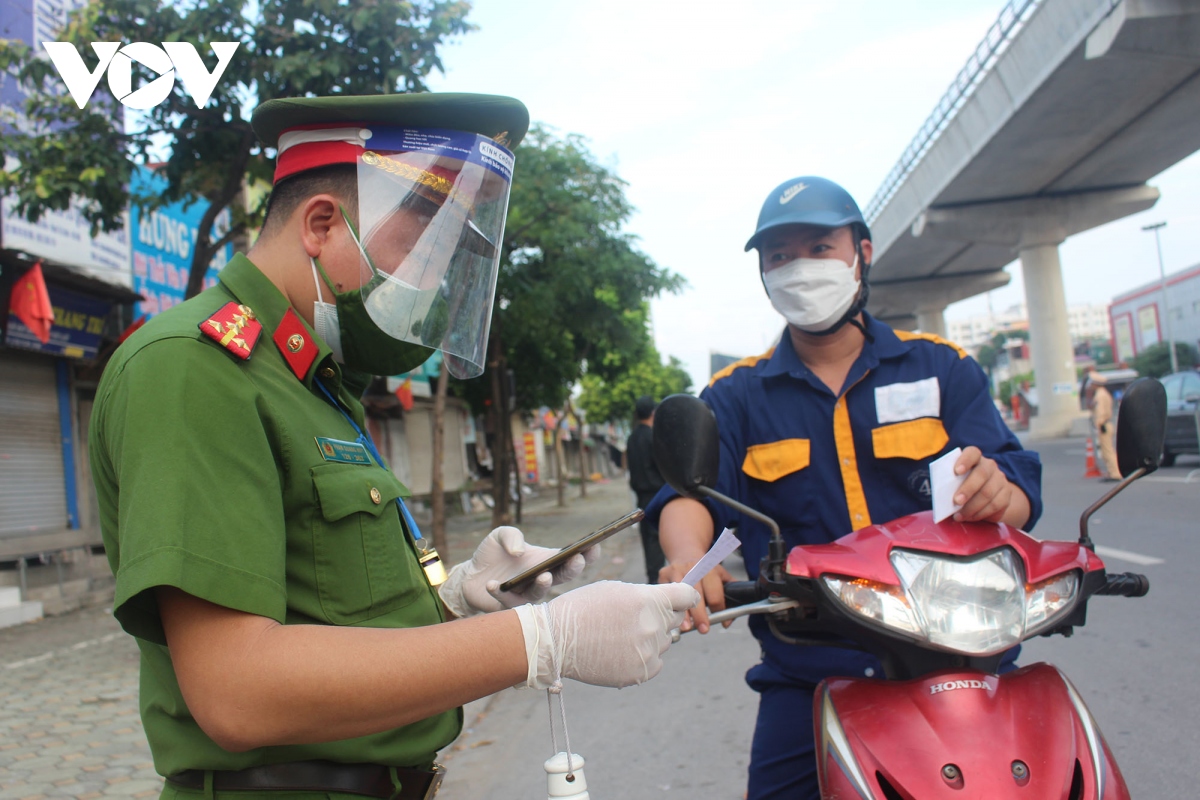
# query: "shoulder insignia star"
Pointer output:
{"type": "Point", "coordinates": [234, 327]}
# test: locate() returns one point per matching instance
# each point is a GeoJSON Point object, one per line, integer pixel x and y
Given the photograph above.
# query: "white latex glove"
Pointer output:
{"type": "Point", "coordinates": [607, 633]}
{"type": "Point", "coordinates": [473, 587]}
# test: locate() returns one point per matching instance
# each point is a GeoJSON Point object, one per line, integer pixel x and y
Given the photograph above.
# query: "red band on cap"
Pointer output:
{"type": "Point", "coordinates": [311, 155]}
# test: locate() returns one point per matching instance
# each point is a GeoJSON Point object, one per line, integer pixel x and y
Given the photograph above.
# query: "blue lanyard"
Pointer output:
{"type": "Point", "coordinates": [366, 442]}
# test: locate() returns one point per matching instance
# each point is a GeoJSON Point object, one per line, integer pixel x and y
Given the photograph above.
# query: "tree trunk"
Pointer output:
{"type": "Point", "coordinates": [204, 248]}
{"type": "Point", "coordinates": [518, 471]}
{"type": "Point", "coordinates": [582, 455]}
{"type": "Point", "coordinates": [560, 462]}
{"type": "Point", "coordinates": [439, 447]}
{"type": "Point", "coordinates": [501, 454]}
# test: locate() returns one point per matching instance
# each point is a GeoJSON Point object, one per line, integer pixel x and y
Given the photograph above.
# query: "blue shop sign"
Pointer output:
{"type": "Point", "coordinates": [78, 324]}
{"type": "Point", "coordinates": [162, 246]}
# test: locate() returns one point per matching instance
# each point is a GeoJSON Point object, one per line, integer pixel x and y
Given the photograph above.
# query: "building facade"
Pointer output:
{"type": "Point", "coordinates": [1146, 315]}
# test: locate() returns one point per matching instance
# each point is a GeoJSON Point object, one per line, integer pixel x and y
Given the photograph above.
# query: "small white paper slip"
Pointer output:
{"type": "Point", "coordinates": [726, 543]}
{"type": "Point", "coordinates": [943, 483]}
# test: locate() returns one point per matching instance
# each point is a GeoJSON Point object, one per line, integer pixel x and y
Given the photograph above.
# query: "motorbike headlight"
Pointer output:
{"type": "Point", "coordinates": [973, 605]}
{"type": "Point", "coordinates": [976, 606]}
{"type": "Point", "coordinates": [1048, 600]}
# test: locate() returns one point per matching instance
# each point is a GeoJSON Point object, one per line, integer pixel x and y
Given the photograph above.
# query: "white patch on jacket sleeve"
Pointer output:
{"type": "Point", "coordinates": [898, 402]}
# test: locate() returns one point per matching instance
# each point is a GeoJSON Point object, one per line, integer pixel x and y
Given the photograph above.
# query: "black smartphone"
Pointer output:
{"type": "Point", "coordinates": [564, 555]}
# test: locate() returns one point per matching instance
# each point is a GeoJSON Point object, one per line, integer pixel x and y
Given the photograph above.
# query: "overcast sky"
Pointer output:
{"type": "Point", "coordinates": [704, 107]}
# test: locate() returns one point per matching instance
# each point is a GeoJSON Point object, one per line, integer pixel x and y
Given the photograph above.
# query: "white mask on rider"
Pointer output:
{"type": "Point", "coordinates": [325, 320]}
{"type": "Point", "coordinates": [813, 293]}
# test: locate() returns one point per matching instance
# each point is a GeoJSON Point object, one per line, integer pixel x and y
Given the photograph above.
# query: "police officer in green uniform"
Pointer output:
{"type": "Point", "coordinates": [291, 618]}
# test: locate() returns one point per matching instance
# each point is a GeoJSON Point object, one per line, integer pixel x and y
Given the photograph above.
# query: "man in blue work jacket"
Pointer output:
{"type": "Point", "coordinates": [830, 431]}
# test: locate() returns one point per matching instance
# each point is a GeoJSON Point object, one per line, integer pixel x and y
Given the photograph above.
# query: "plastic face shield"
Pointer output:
{"type": "Point", "coordinates": [432, 205]}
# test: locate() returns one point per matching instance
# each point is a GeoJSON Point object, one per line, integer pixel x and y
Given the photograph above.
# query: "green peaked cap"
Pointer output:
{"type": "Point", "coordinates": [486, 114]}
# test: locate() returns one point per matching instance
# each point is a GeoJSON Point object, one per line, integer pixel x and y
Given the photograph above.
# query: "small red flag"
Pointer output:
{"type": "Point", "coordinates": [30, 302]}
{"type": "Point", "coordinates": [405, 395]}
{"type": "Point", "coordinates": [137, 323]}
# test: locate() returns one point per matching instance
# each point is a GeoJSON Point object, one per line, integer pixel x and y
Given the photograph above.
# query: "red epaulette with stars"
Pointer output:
{"type": "Point", "coordinates": [235, 328]}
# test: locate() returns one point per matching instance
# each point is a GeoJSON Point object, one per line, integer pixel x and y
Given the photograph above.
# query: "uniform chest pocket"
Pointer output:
{"type": "Point", "coordinates": [915, 439]}
{"type": "Point", "coordinates": [365, 564]}
{"type": "Point", "coordinates": [773, 460]}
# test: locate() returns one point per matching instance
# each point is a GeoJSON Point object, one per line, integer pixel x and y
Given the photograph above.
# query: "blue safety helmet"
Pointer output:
{"type": "Point", "coordinates": [808, 200]}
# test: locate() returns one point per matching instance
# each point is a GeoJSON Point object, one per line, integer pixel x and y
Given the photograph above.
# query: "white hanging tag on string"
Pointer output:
{"type": "Point", "coordinates": [725, 545]}
{"type": "Point", "coordinates": [564, 770]}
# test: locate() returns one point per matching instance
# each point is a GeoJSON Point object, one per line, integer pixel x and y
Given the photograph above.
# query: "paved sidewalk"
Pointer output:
{"type": "Point", "coordinates": [69, 724]}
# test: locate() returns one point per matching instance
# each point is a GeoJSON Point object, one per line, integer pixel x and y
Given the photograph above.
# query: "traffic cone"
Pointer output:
{"type": "Point", "coordinates": [1090, 470]}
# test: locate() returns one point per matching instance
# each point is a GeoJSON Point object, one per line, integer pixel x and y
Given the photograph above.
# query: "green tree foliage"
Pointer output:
{"type": "Point", "coordinates": [603, 400]}
{"type": "Point", "coordinates": [288, 48]}
{"type": "Point", "coordinates": [1155, 360]}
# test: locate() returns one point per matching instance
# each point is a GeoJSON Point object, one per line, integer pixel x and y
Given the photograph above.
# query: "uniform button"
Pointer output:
{"type": "Point", "coordinates": [846, 461]}
{"type": "Point", "coordinates": [858, 517]}
{"type": "Point", "coordinates": [328, 372]}
{"type": "Point", "coordinates": [376, 496]}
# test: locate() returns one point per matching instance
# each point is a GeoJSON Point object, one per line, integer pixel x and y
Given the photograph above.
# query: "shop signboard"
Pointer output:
{"type": "Point", "coordinates": [162, 246]}
{"type": "Point", "coordinates": [78, 324]}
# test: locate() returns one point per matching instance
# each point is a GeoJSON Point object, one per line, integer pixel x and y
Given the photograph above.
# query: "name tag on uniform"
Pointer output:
{"type": "Point", "coordinates": [343, 452]}
{"type": "Point", "coordinates": [899, 402]}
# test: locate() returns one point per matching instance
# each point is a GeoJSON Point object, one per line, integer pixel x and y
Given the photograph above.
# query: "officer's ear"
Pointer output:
{"type": "Point", "coordinates": [318, 220]}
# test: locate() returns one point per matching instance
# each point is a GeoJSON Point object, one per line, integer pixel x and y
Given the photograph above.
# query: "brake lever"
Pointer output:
{"type": "Point", "coordinates": [771, 605]}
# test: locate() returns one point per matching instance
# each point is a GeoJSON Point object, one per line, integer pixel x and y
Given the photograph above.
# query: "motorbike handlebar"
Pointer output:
{"type": "Point", "coordinates": [1127, 584]}
{"type": "Point", "coordinates": [740, 593]}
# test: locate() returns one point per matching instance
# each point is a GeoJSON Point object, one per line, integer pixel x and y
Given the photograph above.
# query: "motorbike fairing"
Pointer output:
{"type": "Point", "coordinates": [962, 735]}
{"type": "Point", "coordinates": [864, 553]}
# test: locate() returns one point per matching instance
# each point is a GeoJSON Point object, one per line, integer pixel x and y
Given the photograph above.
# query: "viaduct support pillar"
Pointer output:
{"type": "Point", "coordinates": [932, 321]}
{"type": "Point", "coordinates": [1053, 356]}
{"type": "Point", "coordinates": [1034, 227]}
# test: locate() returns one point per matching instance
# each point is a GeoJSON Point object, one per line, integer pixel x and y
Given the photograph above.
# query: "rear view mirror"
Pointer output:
{"type": "Point", "coordinates": [1141, 426]}
{"type": "Point", "coordinates": [687, 449]}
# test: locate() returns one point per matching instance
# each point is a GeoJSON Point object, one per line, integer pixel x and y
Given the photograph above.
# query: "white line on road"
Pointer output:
{"type": "Point", "coordinates": [1125, 555]}
{"type": "Point", "coordinates": [25, 662]}
{"type": "Point", "coordinates": [1192, 477]}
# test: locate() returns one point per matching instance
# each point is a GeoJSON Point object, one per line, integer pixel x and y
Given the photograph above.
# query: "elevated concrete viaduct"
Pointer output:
{"type": "Point", "coordinates": [1054, 126]}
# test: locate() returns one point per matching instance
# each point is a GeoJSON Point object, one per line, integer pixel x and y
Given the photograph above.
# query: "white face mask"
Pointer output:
{"type": "Point", "coordinates": [325, 320]}
{"type": "Point", "coordinates": [813, 293]}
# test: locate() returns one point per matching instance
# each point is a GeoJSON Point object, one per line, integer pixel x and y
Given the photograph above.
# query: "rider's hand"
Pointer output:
{"type": "Point", "coordinates": [605, 634]}
{"type": "Point", "coordinates": [712, 591]}
{"type": "Point", "coordinates": [986, 493]}
{"type": "Point", "coordinates": [473, 587]}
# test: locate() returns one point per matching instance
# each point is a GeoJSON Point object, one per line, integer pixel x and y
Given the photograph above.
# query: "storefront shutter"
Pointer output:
{"type": "Point", "coordinates": [32, 491]}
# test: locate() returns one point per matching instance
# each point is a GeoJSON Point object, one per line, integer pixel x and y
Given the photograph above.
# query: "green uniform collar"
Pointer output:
{"type": "Point", "coordinates": [251, 287]}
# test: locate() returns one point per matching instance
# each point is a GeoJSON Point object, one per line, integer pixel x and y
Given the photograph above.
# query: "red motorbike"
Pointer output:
{"type": "Point", "coordinates": [939, 604]}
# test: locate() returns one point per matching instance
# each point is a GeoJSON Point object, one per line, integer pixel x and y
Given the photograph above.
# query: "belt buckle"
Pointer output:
{"type": "Point", "coordinates": [439, 775]}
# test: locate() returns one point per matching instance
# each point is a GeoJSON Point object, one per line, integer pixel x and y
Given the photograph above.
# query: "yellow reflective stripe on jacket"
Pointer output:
{"type": "Point", "coordinates": [915, 438]}
{"type": "Point", "coordinates": [749, 361]}
{"type": "Point", "coordinates": [908, 336]}
{"type": "Point", "coordinates": [772, 461]}
{"type": "Point", "coordinates": [843, 436]}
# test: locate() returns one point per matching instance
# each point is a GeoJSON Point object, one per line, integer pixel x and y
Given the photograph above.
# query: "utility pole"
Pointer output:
{"type": "Point", "coordinates": [1162, 277]}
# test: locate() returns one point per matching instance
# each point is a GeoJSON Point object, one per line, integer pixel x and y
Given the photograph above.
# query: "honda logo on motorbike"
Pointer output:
{"type": "Point", "coordinates": [165, 61]}
{"type": "Point", "coordinates": [949, 686]}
